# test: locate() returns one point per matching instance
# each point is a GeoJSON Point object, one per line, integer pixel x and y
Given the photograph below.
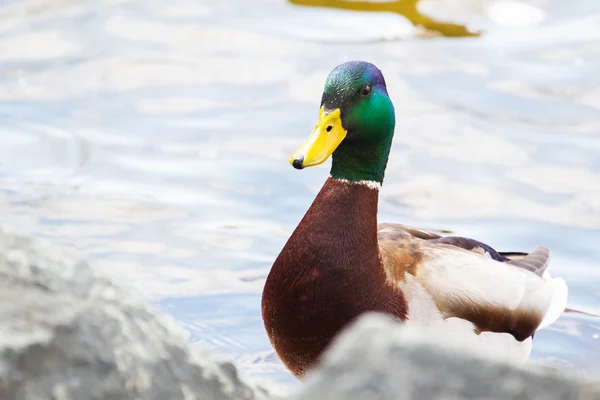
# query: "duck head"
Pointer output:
{"type": "Point", "coordinates": [356, 125]}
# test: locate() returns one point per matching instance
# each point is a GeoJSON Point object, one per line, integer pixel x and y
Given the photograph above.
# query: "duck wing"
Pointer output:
{"type": "Point", "coordinates": [535, 261]}
{"type": "Point", "coordinates": [466, 279]}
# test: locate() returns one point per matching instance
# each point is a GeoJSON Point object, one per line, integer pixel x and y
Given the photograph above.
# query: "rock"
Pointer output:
{"type": "Point", "coordinates": [377, 358]}
{"type": "Point", "coordinates": [68, 334]}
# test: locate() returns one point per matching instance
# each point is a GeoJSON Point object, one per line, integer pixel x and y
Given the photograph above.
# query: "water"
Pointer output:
{"type": "Point", "coordinates": [152, 138]}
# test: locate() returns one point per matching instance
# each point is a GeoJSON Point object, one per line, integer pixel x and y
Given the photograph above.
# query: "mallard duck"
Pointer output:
{"type": "Point", "coordinates": [339, 263]}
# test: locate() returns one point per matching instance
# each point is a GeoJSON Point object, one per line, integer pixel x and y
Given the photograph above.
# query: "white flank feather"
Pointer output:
{"type": "Point", "coordinates": [453, 278]}
{"type": "Point", "coordinates": [423, 312]}
{"type": "Point", "coordinates": [558, 302]}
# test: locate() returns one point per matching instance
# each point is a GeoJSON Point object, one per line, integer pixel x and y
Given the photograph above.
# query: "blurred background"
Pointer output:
{"type": "Point", "coordinates": [152, 138]}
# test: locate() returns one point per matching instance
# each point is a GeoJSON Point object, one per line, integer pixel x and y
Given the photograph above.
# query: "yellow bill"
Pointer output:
{"type": "Point", "coordinates": [322, 142]}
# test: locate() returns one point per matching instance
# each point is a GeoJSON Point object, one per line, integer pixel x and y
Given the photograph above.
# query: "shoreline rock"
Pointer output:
{"type": "Point", "coordinates": [67, 333]}
{"type": "Point", "coordinates": [378, 358]}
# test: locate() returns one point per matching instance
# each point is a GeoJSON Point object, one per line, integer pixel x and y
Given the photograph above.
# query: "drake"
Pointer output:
{"type": "Point", "coordinates": [340, 263]}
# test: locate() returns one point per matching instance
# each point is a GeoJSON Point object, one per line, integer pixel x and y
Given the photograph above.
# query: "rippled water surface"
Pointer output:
{"type": "Point", "coordinates": [152, 137]}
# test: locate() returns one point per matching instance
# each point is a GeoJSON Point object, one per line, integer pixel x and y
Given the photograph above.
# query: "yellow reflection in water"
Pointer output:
{"type": "Point", "coordinates": [406, 8]}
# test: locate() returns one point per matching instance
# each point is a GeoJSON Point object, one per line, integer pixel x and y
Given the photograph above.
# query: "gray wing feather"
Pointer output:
{"type": "Point", "coordinates": [390, 231]}
{"type": "Point", "coordinates": [537, 261]}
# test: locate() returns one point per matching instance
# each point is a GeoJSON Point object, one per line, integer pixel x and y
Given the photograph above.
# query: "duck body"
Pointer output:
{"type": "Point", "coordinates": [340, 263]}
{"type": "Point", "coordinates": [327, 275]}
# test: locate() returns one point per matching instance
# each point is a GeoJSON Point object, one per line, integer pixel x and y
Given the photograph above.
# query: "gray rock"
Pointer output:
{"type": "Point", "coordinates": [68, 334]}
{"type": "Point", "coordinates": [380, 359]}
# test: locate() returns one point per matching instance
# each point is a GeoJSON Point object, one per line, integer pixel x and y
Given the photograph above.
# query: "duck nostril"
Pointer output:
{"type": "Point", "coordinates": [298, 163]}
{"type": "Point", "coordinates": [329, 128]}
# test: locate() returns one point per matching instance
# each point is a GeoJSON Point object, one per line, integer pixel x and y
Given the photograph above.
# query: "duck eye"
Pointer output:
{"type": "Point", "coordinates": [366, 91]}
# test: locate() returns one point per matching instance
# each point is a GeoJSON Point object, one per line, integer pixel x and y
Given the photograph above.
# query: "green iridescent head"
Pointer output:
{"type": "Point", "coordinates": [356, 125]}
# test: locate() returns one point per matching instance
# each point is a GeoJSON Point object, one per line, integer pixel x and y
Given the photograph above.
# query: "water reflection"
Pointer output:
{"type": "Point", "coordinates": [161, 156]}
{"type": "Point", "coordinates": [407, 8]}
